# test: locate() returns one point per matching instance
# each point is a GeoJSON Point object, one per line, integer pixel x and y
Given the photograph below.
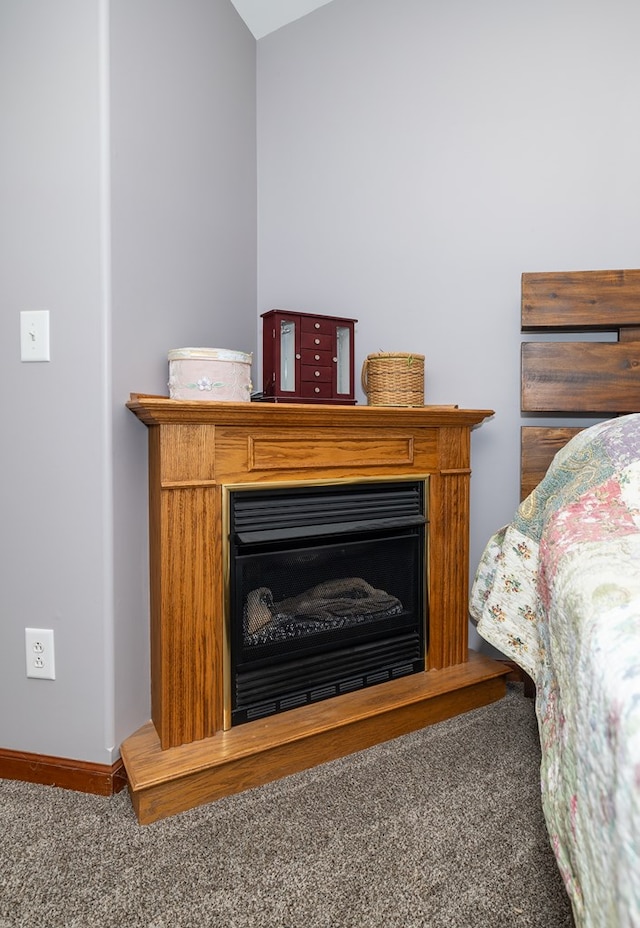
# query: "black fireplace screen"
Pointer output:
{"type": "Point", "coordinates": [327, 591]}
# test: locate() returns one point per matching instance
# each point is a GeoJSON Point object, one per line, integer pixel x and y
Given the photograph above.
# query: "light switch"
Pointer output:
{"type": "Point", "coordinates": [34, 335]}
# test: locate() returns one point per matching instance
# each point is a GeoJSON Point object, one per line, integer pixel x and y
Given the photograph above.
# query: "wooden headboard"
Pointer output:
{"type": "Point", "coordinates": [576, 378]}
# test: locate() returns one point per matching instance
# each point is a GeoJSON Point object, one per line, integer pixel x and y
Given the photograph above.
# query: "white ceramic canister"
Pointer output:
{"type": "Point", "coordinates": [216, 374]}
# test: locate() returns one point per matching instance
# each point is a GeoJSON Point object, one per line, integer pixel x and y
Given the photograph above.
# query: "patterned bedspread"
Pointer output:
{"type": "Point", "coordinates": [558, 591]}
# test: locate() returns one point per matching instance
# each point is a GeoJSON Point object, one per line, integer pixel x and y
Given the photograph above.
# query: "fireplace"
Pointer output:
{"type": "Point", "coordinates": [340, 469]}
{"type": "Point", "coordinates": [326, 591]}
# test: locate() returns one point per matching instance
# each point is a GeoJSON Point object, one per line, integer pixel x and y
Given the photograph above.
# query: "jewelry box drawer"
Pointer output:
{"type": "Point", "coordinates": [319, 390]}
{"type": "Point", "coordinates": [319, 374]}
{"type": "Point", "coordinates": [316, 326]}
{"type": "Point", "coordinates": [317, 358]}
{"type": "Point", "coordinates": [315, 341]}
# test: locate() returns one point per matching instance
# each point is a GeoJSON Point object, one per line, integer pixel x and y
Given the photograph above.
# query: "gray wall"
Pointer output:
{"type": "Point", "coordinates": [183, 180]}
{"type": "Point", "coordinates": [128, 191]}
{"type": "Point", "coordinates": [416, 157]}
{"type": "Point", "coordinates": [54, 487]}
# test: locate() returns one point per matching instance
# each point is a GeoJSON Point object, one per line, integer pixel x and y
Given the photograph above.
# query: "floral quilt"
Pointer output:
{"type": "Point", "coordinates": [558, 591]}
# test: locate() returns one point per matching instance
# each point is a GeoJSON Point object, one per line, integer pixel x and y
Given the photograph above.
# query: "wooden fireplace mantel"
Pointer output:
{"type": "Point", "coordinates": [183, 757]}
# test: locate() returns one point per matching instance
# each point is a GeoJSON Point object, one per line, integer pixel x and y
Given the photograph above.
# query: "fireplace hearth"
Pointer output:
{"type": "Point", "coordinates": [327, 591]}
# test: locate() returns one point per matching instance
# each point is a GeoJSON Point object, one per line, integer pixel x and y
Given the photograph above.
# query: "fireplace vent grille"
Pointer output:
{"type": "Point", "coordinates": [297, 513]}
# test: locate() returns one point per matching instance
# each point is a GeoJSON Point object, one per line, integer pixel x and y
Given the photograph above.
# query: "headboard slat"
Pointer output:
{"type": "Point", "coordinates": [581, 299]}
{"type": "Point", "coordinates": [580, 377]}
{"type": "Point", "coordinates": [539, 446]}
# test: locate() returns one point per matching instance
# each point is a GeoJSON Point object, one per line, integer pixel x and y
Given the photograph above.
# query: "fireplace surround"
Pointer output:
{"type": "Point", "coordinates": [200, 452]}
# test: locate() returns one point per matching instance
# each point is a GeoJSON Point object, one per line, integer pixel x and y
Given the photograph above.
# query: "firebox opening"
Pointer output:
{"type": "Point", "coordinates": [327, 591]}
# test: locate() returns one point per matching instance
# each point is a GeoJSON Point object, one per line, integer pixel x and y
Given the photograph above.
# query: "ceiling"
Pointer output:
{"type": "Point", "coordinates": [265, 16]}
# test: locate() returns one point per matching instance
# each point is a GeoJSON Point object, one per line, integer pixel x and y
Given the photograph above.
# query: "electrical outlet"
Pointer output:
{"type": "Point", "coordinates": [40, 654]}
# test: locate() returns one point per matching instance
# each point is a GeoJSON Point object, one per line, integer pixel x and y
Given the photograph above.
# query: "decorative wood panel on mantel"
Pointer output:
{"type": "Point", "coordinates": [196, 449]}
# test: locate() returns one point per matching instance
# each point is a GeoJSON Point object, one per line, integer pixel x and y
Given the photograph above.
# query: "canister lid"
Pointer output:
{"type": "Point", "coordinates": [209, 354]}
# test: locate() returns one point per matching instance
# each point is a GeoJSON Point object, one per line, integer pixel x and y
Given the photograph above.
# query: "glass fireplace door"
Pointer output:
{"type": "Point", "coordinates": [327, 592]}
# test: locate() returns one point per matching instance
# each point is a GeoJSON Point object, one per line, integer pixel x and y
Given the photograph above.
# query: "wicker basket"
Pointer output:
{"type": "Point", "coordinates": [390, 379]}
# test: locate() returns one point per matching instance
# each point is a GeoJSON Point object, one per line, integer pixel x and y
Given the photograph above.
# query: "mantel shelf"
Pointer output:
{"type": "Point", "coordinates": [156, 410]}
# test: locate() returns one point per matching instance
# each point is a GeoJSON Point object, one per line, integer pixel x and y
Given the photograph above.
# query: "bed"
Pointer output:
{"type": "Point", "coordinates": [557, 590]}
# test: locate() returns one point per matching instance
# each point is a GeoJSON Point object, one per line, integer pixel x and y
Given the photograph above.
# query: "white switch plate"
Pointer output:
{"type": "Point", "coordinates": [39, 653]}
{"type": "Point", "coordinates": [34, 335]}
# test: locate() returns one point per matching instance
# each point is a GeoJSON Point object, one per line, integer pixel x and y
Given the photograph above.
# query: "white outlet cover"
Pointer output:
{"type": "Point", "coordinates": [39, 652]}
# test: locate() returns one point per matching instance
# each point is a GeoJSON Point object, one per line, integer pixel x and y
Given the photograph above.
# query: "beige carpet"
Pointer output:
{"type": "Point", "coordinates": [439, 828]}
